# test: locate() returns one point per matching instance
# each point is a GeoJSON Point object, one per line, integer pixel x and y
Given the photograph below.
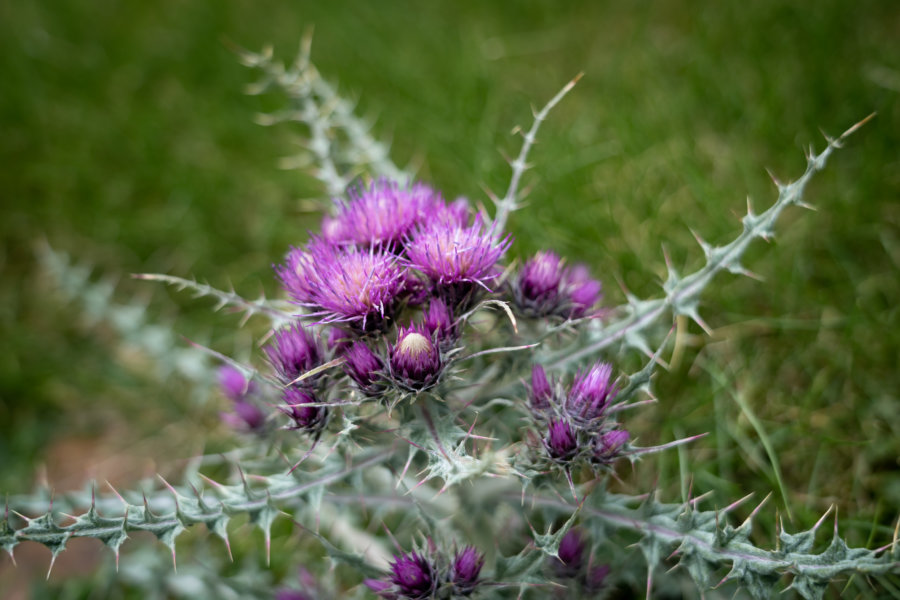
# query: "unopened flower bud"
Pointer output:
{"type": "Point", "coordinates": [293, 352]}
{"type": "Point", "coordinates": [415, 360]}
{"type": "Point", "coordinates": [365, 368]}
{"type": "Point", "coordinates": [465, 570]}
{"type": "Point", "coordinates": [561, 441]}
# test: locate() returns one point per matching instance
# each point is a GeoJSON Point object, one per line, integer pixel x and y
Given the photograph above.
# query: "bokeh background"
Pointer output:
{"type": "Point", "coordinates": [127, 142]}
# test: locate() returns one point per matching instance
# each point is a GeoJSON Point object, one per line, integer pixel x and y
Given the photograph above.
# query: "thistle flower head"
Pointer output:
{"type": "Point", "coordinates": [544, 287]}
{"type": "Point", "coordinates": [571, 555]}
{"type": "Point", "coordinates": [413, 576]}
{"type": "Point", "coordinates": [608, 446]}
{"type": "Point", "coordinates": [591, 393]}
{"type": "Point", "coordinates": [383, 213]}
{"type": "Point", "coordinates": [456, 258]}
{"type": "Point", "coordinates": [439, 322]}
{"type": "Point", "coordinates": [465, 570]}
{"type": "Point", "coordinates": [233, 383]}
{"type": "Point", "coordinates": [343, 283]}
{"type": "Point", "coordinates": [541, 391]}
{"type": "Point", "coordinates": [539, 279]}
{"type": "Point", "coordinates": [561, 441]}
{"type": "Point", "coordinates": [365, 368]}
{"type": "Point", "coordinates": [293, 352]}
{"type": "Point", "coordinates": [583, 291]}
{"type": "Point", "coordinates": [415, 359]}
{"type": "Point", "coordinates": [302, 407]}
{"type": "Point", "coordinates": [245, 415]}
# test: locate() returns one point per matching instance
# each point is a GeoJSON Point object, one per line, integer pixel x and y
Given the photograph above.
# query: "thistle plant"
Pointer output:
{"type": "Point", "coordinates": [441, 421]}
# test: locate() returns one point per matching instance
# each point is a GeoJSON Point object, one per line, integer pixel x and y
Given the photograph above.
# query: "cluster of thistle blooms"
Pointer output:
{"type": "Point", "coordinates": [388, 285]}
{"type": "Point", "coordinates": [429, 574]}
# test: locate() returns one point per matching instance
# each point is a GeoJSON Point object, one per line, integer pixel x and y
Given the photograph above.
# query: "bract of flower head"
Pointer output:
{"type": "Point", "coordinates": [342, 283]}
{"type": "Point", "coordinates": [382, 213]}
{"type": "Point", "coordinates": [301, 407]}
{"type": "Point", "coordinates": [415, 359]}
{"type": "Point", "coordinates": [561, 441]}
{"type": "Point", "coordinates": [365, 368]}
{"type": "Point", "coordinates": [541, 392]}
{"type": "Point", "coordinates": [591, 393]}
{"type": "Point", "coordinates": [293, 352]}
{"type": "Point", "coordinates": [465, 570]}
{"type": "Point", "coordinates": [456, 259]}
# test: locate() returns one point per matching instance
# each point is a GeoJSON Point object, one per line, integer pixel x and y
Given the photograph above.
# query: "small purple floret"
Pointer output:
{"type": "Point", "coordinates": [608, 447]}
{"type": "Point", "coordinates": [466, 569]}
{"type": "Point", "coordinates": [571, 555]}
{"type": "Point", "coordinates": [544, 287]}
{"type": "Point", "coordinates": [440, 323]}
{"type": "Point", "coordinates": [415, 359]}
{"type": "Point", "coordinates": [561, 441]}
{"type": "Point", "coordinates": [233, 383]}
{"type": "Point", "coordinates": [541, 391]}
{"type": "Point", "coordinates": [298, 401]}
{"type": "Point", "coordinates": [583, 291]}
{"type": "Point", "coordinates": [591, 392]}
{"type": "Point", "coordinates": [293, 352]}
{"type": "Point", "coordinates": [414, 576]}
{"type": "Point", "coordinates": [365, 368]}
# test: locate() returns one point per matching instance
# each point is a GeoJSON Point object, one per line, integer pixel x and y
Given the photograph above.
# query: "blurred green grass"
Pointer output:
{"type": "Point", "coordinates": [127, 141]}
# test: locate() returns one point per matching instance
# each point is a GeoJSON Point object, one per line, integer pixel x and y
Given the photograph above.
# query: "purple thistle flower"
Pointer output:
{"type": "Point", "coordinates": [608, 446]}
{"type": "Point", "coordinates": [383, 213]}
{"type": "Point", "coordinates": [591, 392]}
{"type": "Point", "coordinates": [541, 392]}
{"type": "Point", "coordinates": [539, 280]}
{"type": "Point", "coordinates": [544, 287]}
{"type": "Point", "coordinates": [571, 555]}
{"type": "Point", "coordinates": [414, 576]}
{"type": "Point", "coordinates": [233, 384]}
{"type": "Point", "coordinates": [415, 360]}
{"type": "Point", "coordinates": [561, 441]}
{"type": "Point", "coordinates": [365, 368]}
{"type": "Point", "coordinates": [465, 570]}
{"type": "Point", "coordinates": [584, 292]}
{"type": "Point", "coordinates": [440, 324]}
{"type": "Point", "coordinates": [245, 415]}
{"type": "Point", "coordinates": [456, 258]}
{"type": "Point", "coordinates": [310, 419]}
{"type": "Point", "coordinates": [343, 283]}
{"type": "Point", "coordinates": [293, 352]}
{"type": "Point", "coordinates": [596, 577]}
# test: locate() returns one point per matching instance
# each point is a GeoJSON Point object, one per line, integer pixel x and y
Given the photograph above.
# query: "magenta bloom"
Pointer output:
{"type": "Point", "coordinates": [456, 258]}
{"type": "Point", "coordinates": [561, 441]}
{"type": "Point", "coordinates": [233, 384]}
{"type": "Point", "coordinates": [343, 283]}
{"type": "Point", "coordinates": [293, 352]}
{"type": "Point", "coordinates": [583, 292]}
{"type": "Point", "coordinates": [383, 213]}
{"type": "Point", "coordinates": [440, 323]}
{"type": "Point", "coordinates": [365, 368]}
{"type": "Point", "coordinates": [412, 577]}
{"type": "Point", "coordinates": [544, 287]}
{"type": "Point", "coordinates": [541, 391]}
{"type": "Point", "coordinates": [465, 570]}
{"type": "Point", "coordinates": [608, 446]}
{"type": "Point", "coordinates": [571, 555]}
{"type": "Point", "coordinates": [591, 393]}
{"type": "Point", "coordinates": [311, 419]}
{"type": "Point", "coordinates": [245, 415]}
{"type": "Point", "coordinates": [415, 359]}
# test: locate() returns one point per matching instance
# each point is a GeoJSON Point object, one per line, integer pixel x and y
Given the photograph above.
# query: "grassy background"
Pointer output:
{"type": "Point", "coordinates": [127, 142]}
